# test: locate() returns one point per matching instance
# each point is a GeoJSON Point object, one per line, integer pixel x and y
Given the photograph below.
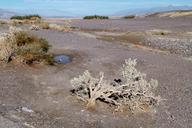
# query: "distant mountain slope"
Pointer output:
{"type": "Point", "coordinates": [6, 13]}
{"type": "Point", "coordinates": [172, 14]}
{"type": "Point", "coordinates": [140, 11]}
{"type": "Point", "coordinates": [46, 12]}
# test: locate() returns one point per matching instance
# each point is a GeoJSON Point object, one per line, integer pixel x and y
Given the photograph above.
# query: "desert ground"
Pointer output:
{"type": "Point", "coordinates": [39, 96]}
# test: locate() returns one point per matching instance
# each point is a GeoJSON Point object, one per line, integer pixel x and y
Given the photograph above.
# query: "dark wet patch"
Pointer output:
{"type": "Point", "coordinates": [62, 59]}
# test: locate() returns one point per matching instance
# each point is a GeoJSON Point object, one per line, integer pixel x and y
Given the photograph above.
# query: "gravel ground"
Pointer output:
{"type": "Point", "coordinates": [140, 24]}
{"type": "Point", "coordinates": [174, 45]}
{"type": "Point", "coordinates": [39, 96]}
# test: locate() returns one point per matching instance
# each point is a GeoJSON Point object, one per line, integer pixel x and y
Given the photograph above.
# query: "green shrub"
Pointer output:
{"type": "Point", "coordinates": [96, 17]}
{"type": "Point", "coordinates": [129, 17]}
{"type": "Point", "coordinates": [26, 17]}
{"type": "Point", "coordinates": [24, 38]}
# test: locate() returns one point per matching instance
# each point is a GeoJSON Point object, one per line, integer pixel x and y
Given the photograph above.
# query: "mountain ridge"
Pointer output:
{"type": "Point", "coordinates": [5, 13]}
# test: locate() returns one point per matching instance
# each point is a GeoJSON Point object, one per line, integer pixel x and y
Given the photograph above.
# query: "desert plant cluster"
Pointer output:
{"type": "Point", "coordinates": [95, 17]}
{"type": "Point", "coordinates": [34, 27]}
{"type": "Point", "coordinates": [129, 17]}
{"type": "Point", "coordinates": [36, 23]}
{"type": "Point", "coordinates": [132, 91]}
{"type": "Point", "coordinates": [24, 47]}
{"type": "Point", "coordinates": [65, 27]}
{"type": "Point", "coordinates": [2, 22]}
{"type": "Point", "coordinates": [44, 25]}
{"type": "Point", "coordinates": [26, 17]}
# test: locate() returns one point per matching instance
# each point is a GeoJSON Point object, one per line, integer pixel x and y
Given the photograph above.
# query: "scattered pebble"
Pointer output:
{"type": "Point", "coordinates": [28, 125]}
{"type": "Point", "coordinates": [174, 45]}
{"type": "Point", "coordinates": [25, 109]}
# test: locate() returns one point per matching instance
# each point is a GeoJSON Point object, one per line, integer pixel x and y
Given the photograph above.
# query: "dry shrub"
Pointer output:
{"type": "Point", "coordinates": [3, 22]}
{"type": "Point", "coordinates": [16, 22]}
{"type": "Point", "coordinates": [44, 25]}
{"type": "Point", "coordinates": [7, 47]}
{"type": "Point", "coordinates": [65, 27]}
{"type": "Point", "coordinates": [59, 27]}
{"type": "Point", "coordinates": [32, 21]}
{"type": "Point", "coordinates": [158, 32]}
{"type": "Point", "coordinates": [34, 27]}
{"type": "Point", "coordinates": [23, 46]}
{"type": "Point", "coordinates": [55, 27]}
{"type": "Point", "coordinates": [133, 90]}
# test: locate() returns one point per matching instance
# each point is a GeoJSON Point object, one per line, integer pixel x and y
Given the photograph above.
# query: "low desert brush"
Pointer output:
{"type": "Point", "coordinates": [44, 25]}
{"type": "Point", "coordinates": [129, 17]}
{"type": "Point", "coordinates": [65, 27]}
{"type": "Point", "coordinates": [23, 46]}
{"type": "Point", "coordinates": [95, 17]}
{"type": "Point", "coordinates": [26, 17]}
{"type": "Point", "coordinates": [132, 90]}
{"type": "Point", "coordinates": [34, 27]}
{"type": "Point", "coordinates": [3, 22]}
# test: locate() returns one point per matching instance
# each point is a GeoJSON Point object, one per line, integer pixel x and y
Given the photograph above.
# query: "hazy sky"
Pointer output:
{"type": "Point", "coordinates": [84, 7]}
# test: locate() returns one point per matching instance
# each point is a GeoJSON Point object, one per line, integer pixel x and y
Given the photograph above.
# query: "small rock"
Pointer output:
{"type": "Point", "coordinates": [25, 109]}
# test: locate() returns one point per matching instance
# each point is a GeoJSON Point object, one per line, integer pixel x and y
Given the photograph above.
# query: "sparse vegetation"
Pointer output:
{"type": "Point", "coordinates": [60, 27]}
{"type": "Point", "coordinates": [15, 22]}
{"type": "Point", "coordinates": [24, 47]}
{"type": "Point", "coordinates": [26, 17]}
{"type": "Point", "coordinates": [133, 90]}
{"type": "Point", "coordinates": [96, 17]}
{"type": "Point", "coordinates": [65, 27]}
{"type": "Point", "coordinates": [3, 22]}
{"type": "Point", "coordinates": [34, 27]}
{"type": "Point", "coordinates": [159, 32]}
{"type": "Point", "coordinates": [129, 17]}
{"type": "Point", "coordinates": [44, 25]}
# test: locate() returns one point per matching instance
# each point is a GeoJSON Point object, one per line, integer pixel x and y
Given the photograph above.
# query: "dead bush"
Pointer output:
{"type": "Point", "coordinates": [3, 22]}
{"type": "Point", "coordinates": [56, 27]}
{"type": "Point", "coordinates": [44, 25]}
{"type": "Point", "coordinates": [7, 47]}
{"type": "Point", "coordinates": [65, 27]}
{"type": "Point", "coordinates": [34, 27]}
{"type": "Point", "coordinates": [16, 22]}
{"type": "Point", "coordinates": [132, 90]}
